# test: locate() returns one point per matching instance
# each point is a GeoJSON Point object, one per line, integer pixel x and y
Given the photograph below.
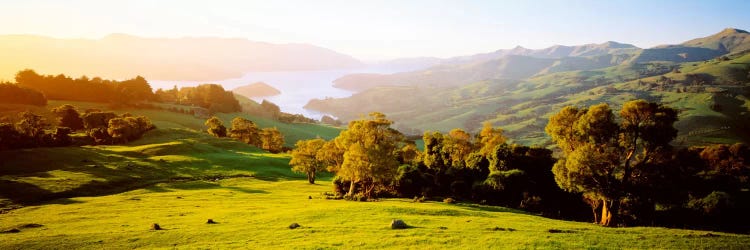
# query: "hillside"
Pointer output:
{"type": "Point", "coordinates": [520, 63]}
{"type": "Point", "coordinates": [258, 89]}
{"type": "Point", "coordinates": [256, 213]}
{"type": "Point", "coordinates": [109, 196]}
{"type": "Point", "coordinates": [189, 59]}
{"type": "Point", "coordinates": [729, 40]}
{"type": "Point", "coordinates": [709, 86]}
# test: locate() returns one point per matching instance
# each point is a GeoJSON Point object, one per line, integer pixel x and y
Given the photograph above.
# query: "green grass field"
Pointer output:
{"type": "Point", "coordinates": [109, 196]}
{"type": "Point", "coordinates": [253, 213]}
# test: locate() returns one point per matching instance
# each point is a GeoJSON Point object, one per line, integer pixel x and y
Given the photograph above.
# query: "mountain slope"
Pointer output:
{"type": "Point", "coordinates": [729, 40]}
{"type": "Point", "coordinates": [196, 59]}
{"type": "Point", "coordinates": [712, 95]}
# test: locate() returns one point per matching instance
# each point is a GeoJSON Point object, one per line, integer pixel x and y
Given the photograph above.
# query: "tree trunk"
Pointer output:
{"type": "Point", "coordinates": [609, 212]}
{"type": "Point", "coordinates": [311, 178]}
{"type": "Point", "coordinates": [351, 189]}
{"type": "Point", "coordinates": [596, 215]}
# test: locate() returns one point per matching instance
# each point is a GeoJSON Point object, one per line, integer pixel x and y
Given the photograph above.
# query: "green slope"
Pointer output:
{"type": "Point", "coordinates": [31, 175]}
{"type": "Point", "coordinates": [523, 107]}
{"type": "Point", "coordinates": [108, 197]}
{"type": "Point", "coordinates": [253, 213]}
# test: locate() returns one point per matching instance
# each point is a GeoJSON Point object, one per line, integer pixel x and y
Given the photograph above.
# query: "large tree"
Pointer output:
{"type": "Point", "coordinates": [371, 153]}
{"type": "Point", "coordinates": [245, 130]}
{"type": "Point", "coordinates": [602, 157]}
{"type": "Point", "coordinates": [271, 140]}
{"type": "Point", "coordinates": [216, 127]}
{"type": "Point", "coordinates": [31, 126]}
{"type": "Point", "coordinates": [488, 139]}
{"type": "Point", "coordinates": [68, 117]}
{"type": "Point", "coordinates": [305, 158]}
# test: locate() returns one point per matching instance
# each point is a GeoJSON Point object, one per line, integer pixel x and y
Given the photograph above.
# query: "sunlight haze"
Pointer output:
{"type": "Point", "coordinates": [376, 30]}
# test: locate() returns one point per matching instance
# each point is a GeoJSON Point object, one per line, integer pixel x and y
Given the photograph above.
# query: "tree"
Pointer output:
{"type": "Point", "coordinates": [9, 137]}
{"type": "Point", "coordinates": [31, 126]}
{"type": "Point", "coordinates": [97, 119]}
{"type": "Point", "coordinates": [14, 93]}
{"type": "Point", "coordinates": [216, 127]}
{"type": "Point", "coordinates": [68, 117]}
{"type": "Point", "coordinates": [332, 155]}
{"type": "Point", "coordinates": [61, 137]}
{"type": "Point", "coordinates": [305, 159]}
{"type": "Point", "coordinates": [245, 130]}
{"type": "Point", "coordinates": [601, 157]}
{"type": "Point", "coordinates": [489, 138]}
{"type": "Point", "coordinates": [270, 108]}
{"type": "Point", "coordinates": [371, 155]}
{"type": "Point", "coordinates": [458, 146]}
{"type": "Point", "coordinates": [271, 140]}
{"type": "Point", "coordinates": [119, 129]}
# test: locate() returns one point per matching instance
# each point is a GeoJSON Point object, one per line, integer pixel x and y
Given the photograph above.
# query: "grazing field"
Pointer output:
{"type": "Point", "coordinates": [110, 196]}
{"type": "Point", "coordinates": [255, 213]}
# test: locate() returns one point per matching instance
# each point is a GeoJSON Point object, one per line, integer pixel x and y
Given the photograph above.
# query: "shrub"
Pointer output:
{"type": "Point", "coordinates": [449, 200]}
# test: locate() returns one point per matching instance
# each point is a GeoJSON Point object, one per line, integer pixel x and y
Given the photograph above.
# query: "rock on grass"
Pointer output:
{"type": "Point", "coordinates": [398, 224]}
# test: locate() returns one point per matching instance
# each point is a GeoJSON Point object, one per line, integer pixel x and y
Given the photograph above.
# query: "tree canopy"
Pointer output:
{"type": "Point", "coordinates": [602, 155]}
{"type": "Point", "coordinates": [305, 158]}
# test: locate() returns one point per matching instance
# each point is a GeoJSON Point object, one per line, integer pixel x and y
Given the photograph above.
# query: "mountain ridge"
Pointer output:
{"type": "Point", "coordinates": [190, 59]}
{"type": "Point", "coordinates": [710, 86]}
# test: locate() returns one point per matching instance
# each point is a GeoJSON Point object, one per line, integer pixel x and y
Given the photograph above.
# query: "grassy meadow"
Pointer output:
{"type": "Point", "coordinates": [108, 197]}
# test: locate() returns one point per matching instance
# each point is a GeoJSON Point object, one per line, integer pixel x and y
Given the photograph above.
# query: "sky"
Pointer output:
{"type": "Point", "coordinates": [384, 29]}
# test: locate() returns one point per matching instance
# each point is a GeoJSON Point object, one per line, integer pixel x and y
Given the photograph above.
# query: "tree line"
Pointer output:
{"type": "Point", "coordinates": [98, 127]}
{"type": "Point", "coordinates": [61, 87]}
{"type": "Point", "coordinates": [35, 89]}
{"type": "Point", "coordinates": [615, 168]}
{"type": "Point", "coordinates": [128, 92]}
{"type": "Point", "coordinates": [12, 93]}
{"type": "Point", "coordinates": [209, 96]}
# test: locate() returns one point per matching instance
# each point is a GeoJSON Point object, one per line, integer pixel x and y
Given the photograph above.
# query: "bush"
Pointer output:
{"type": "Point", "coordinates": [449, 200]}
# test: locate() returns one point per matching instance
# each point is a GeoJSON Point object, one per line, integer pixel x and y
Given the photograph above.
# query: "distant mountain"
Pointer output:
{"type": "Point", "coordinates": [728, 41]}
{"type": "Point", "coordinates": [405, 64]}
{"type": "Point", "coordinates": [557, 51]}
{"type": "Point", "coordinates": [480, 67]}
{"type": "Point", "coordinates": [446, 75]}
{"type": "Point", "coordinates": [708, 79]}
{"type": "Point", "coordinates": [520, 62]}
{"type": "Point", "coordinates": [258, 89]}
{"type": "Point", "coordinates": [191, 59]}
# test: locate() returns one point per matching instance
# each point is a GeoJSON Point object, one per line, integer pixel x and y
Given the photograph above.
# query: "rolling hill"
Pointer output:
{"type": "Point", "coordinates": [178, 178]}
{"type": "Point", "coordinates": [708, 85]}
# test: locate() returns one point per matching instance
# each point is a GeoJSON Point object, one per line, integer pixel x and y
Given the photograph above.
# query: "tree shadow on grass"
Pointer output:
{"type": "Point", "coordinates": [204, 185]}
{"type": "Point", "coordinates": [28, 194]}
{"type": "Point", "coordinates": [487, 208]}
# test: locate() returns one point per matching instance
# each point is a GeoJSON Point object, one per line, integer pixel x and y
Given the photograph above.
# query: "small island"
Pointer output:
{"type": "Point", "coordinates": [258, 89]}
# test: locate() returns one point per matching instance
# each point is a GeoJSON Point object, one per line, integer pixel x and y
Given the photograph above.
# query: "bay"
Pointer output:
{"type": "Point", "coordinates": [297, 87]}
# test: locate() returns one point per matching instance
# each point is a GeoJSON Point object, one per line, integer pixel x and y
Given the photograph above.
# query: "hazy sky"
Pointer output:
{"type": "Point", "coordinates": [382, 29]}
